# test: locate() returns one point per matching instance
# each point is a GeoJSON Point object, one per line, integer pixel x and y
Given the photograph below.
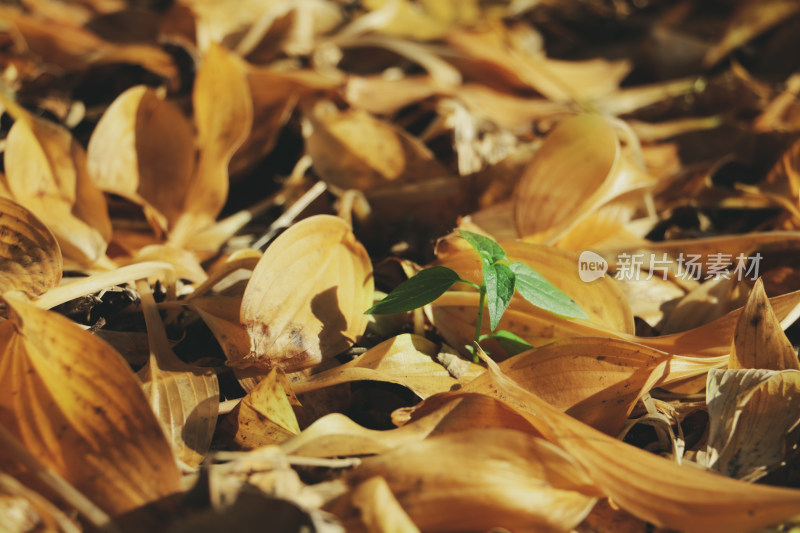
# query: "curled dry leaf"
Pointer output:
{"type": "Point", "coordinates": [264, 416]}
{"type": "Point", "coordinates": [408, 360]}
{"type": "Point", "coordinates": [595, 380]}
{"type": "Point", "coordinates": [76, 405]}
{"type": "Point", "coordinates": [306, 299]}
{"type": "Point", "coordinates": [184, 397]}
{"type": "Point", "coordinates": [579, 167]}
{"type": "Point", "coordinates": [754, 419]}
{"type": "Point", "coordinates": [354, 150]}
{"type": "Point", "coordinates": [30, 259]}
{"type": "Point", "coordinates": [648, 486]}
{"type": "Point", "coordinates": [141, 139]}
{"type": "Point", "coordinates": [484, 479]}
{"type": "Point", "coordinates": [223, 115]}
{"type": "Point", "coordinates": [46, 172]}
{"type": "Point", "coordinates": [451, 412]}
{"type": "Point", "coordinates": [378, 509]}
{"type": "Point", "coordinates": [759, 340]}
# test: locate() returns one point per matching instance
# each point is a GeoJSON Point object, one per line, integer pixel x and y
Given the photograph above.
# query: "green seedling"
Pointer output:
{"type": "Point", "coordinates": [500, 280]}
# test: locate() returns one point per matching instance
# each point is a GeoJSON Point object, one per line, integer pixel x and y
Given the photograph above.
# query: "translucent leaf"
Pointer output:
{"type": "Point", "coordinates": [543, 294]}
{"type": "Point", "coordinates": [485, 246]}
{"type": "Point", "coordinates": [420, 290]}
{"type": "Point", "coordinates": [499, 279]}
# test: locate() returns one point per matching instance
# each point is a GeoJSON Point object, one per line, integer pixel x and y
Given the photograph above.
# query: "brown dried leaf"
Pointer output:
{"type": "Point", "coordinates": [223, 114]}
{"type": "Point", "coordinates": [264, 416]}
{"type": "Point", "coordinates": [648, 486]}
{"type": "Point", "coordinates": [354, 150]}
{"type": "Point", "coordinates": [484, 479]}
{"type": "Point", "coordinates": [759, 340]}
{"type": "Point", "coordinates": [94, 428]}
{"type": "Point", "coordinates": [140, 139]}
{"type": "Point", "coordinates": [378, 509]}
{"type": "Point", "coordinates": [306, 299]}
{"type": "Point", "coordinates": [595, 380]}
{"type": "Point", "coordinates": [754, 416]}
{"type": "Point", "coordinates": [451, 412]}
{"type": "Point", "coordinates": [184, 397]}
{"type": "Point", "coordinates": [407, 359]}
{"type": "Point", "coordinates": [30, 259]}
{"type": "Point", "coordinates": [73, 47]}
{"type": "Point", "coordinates": [46, 173]}
{"type": "Point", "coordinates": [752, 18]}
{"type": "Point", "coordinates": [579, 167]}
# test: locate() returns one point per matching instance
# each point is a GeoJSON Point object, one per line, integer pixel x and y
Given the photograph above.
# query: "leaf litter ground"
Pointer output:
{"type": "Point", "coordinates": [199, 203]}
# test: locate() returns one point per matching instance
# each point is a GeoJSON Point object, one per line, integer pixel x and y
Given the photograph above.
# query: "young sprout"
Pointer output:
{"type": "Point", "coordinates": [500, 279]}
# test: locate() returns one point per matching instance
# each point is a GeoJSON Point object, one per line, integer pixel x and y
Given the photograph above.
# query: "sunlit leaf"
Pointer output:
{"type": "Point", "coordinates": [76, 405]}
{"type": "Point", "coordinates": [419, 290]}
{"type": "Point", "coordinates": [543, 294]}
{"type": "Point", "coordinates": [30, 259]}
{"type": "Point", "coordinates": [499, 280]}
{"type": "Point", "coordinates": [305, 301]}
{"type": "Point", "coordinates": [486, 247]}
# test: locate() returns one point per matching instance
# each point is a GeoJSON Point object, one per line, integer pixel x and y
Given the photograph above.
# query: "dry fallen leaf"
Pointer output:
{"type": "Point", "coordinates": [30, 259]}
{"type": "Point", "coordinates": [264, 416]}
{"type": "Point", "coordinates": [295, 323]}
{"type": "Point", "coordinates": [140, 139]}
{"type": "Point", "coordinates": [94, 428]}
{"type": "Point", "coordinates": [484, 479]}
{"type": "Point", "coordinates": [223, 115]}
{"type": "Point", "coordinates": [46, 173]}
{"type": "Point", "coordinates": [759, 340]}
{"type": "Point", "coordinates": [184, 397]}
{"type": "Point", "coordinates": [408, 360]}
{"type": "Point", "coordinates": [754, 419]}
{"type": "Point", "coordinates": [595, 380]}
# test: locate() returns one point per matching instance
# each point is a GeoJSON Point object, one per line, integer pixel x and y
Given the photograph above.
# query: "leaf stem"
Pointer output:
{"type": "Point", "coordinates": [481, 303]}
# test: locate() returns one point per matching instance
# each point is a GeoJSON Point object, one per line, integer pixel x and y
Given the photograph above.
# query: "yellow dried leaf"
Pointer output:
{"type": "Point", "coordinates": [264, 416]}
{"type": "Point", "coordinates": [450, 412]}
{"type": "Point", "coordinates": [408, 360]}
{"type": "Point", "coordinates": [46, 173]}
{"type": "Point", "coordinates": [354, 150]}
{"type": "Point", "coordinates": [754, 415]}
{"type": "Point", "coordinates": [484, 479]}
{"type": "Point", "coordinates": [579, 167]}
{"type": "Point", "coordinates": [184, 397]}
{"type": "Point", "coordinates": [30, 259]}
{"type": "Point", "coordinates": [140, 139]}
{"type": "Point", "coordinates": [378, 509]}
{"type": "Point", "coordinates": [759, 340]}
{"type": "Point", "coordinates": [651, 487]}
{"type": "Point", "coordinates": [223, 115]}
{"type": "Point", "coordinates": [75, 404]}
{"type": "Point", "coordinates": [306, 299]}
{"type": "Point", "coordinates": [595, 380]}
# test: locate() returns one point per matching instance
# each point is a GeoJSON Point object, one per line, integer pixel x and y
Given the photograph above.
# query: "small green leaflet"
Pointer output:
{"type": "Point", "coordinates": [489, 250]}
{"type": "Point", "coordinates": [543, 294]}
{"type": "Point", "coordinates": [417, 291]}
{"type": "Point", "coordinates": [499, 280]}
{"type": "Point", "coordinates": [508, 341]}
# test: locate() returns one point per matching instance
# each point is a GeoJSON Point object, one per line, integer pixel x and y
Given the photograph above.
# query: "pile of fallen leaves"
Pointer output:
{"type": "Point", "coordinates": [200, 199]}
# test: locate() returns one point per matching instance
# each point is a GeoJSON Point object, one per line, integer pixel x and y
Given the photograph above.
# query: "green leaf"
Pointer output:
{"type": "Point", "coordinates": [508, 341]}
{"type": "Point", "coordinates": [415, 292]}
{"type": "Point", "coordinates": [499, 280]}
{"type": "Point", "coordinates": [543, 294]}
{"type": "Point", "coordinates": [489, 250]}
